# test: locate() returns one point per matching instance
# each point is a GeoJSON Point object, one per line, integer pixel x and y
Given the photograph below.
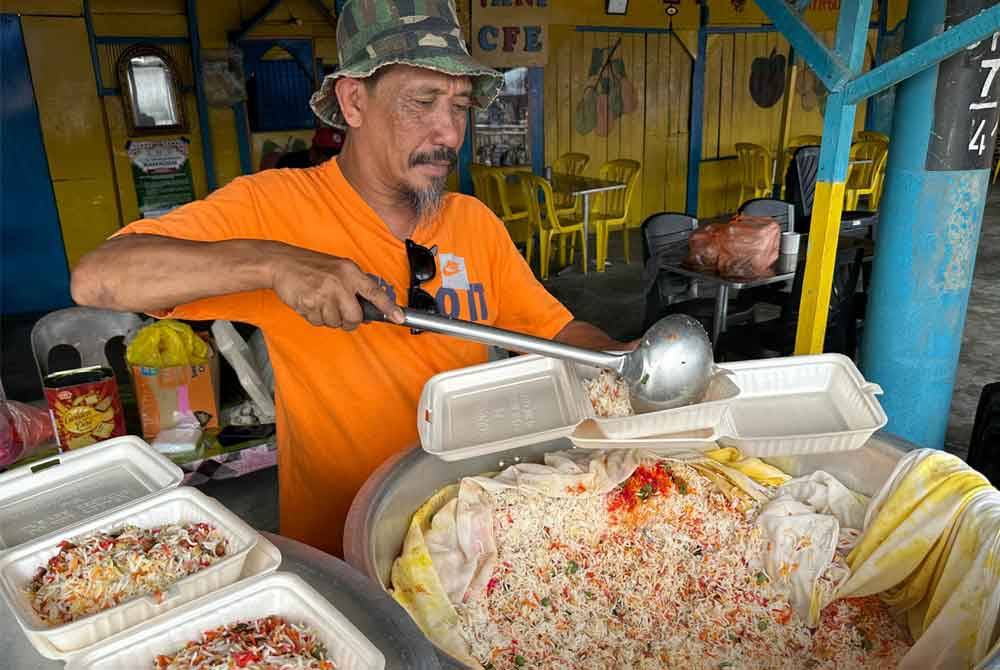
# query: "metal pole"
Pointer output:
{"type": "Point", "coordinates": [199, 93]}
{"type": "Point", "coordinates": [697, 116]}
{"type": "Point", "coordinates": [944, 129]}
{"type": "Point", "coordinates": [828, 202]}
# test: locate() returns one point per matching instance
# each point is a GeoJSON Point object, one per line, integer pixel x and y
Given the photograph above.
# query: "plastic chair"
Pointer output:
{"type": "Point", "coordinates": [866, 179]}
{"type": "Point", "coordinates": [613, 209]}
{"type": "Point", "coordinates": [550, 227]}
{"type": "Point", "coordinates": [511, 208]}
{"type": "Point", "coordinates": [984, 445]}
{"type": "Point", "coordinates": [777, 337]}
{"type": "Point", "coordinates": [542, 215]}
{"type": "Point", "coordinates": [872, 135]}
{"type": "Point", "coordinates": [781, 211]}
{"type": "Point", "coordinates": [800, 185]}
{"type": "Point", "coordinates": [485, 187]}
{"type": "Point", "coordinates": [789, 152]}
{"type": "Point", "coordinates": [755, 165]}
{"type": "Point", "coordinates": [569, 163]}
{"type": "Point", "coordinates": [86, 330]}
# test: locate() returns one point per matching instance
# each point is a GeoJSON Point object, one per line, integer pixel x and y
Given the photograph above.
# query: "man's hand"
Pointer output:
{"type": "Point", "coordinates": [324, 289]}
{"type": "Point", "coordinates": [583, 334]}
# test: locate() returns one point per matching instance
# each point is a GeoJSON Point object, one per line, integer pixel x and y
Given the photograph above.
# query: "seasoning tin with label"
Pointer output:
{"type": "Point", "coordinates": [85, 406]}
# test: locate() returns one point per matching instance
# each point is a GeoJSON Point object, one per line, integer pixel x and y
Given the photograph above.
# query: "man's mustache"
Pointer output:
{"type": "Point", "coordinates": [442, 155]}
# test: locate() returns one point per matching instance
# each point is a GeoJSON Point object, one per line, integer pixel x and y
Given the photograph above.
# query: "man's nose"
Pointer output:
{"type": "Point", "coordinates": [449, 129]}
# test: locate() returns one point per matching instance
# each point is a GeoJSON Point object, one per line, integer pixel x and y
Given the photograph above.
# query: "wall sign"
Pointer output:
{"type": "Point", "coordinates": [162, 174]}
{"type": "Point", "coordinates": [510, 33]}
{"type": "Point", "coordinates": [964, 132]}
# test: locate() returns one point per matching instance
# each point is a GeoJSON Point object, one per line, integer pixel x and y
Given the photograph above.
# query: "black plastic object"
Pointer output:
{"type": "Point", "coordinates": [777, 336]}
{"type": "Point", "coordinates": [231, 435]}
{"type": "Point", "coordinates": [370, 311]}
{"type": "Point", "coordinates": [800, 184]}
{"type": "Point", "coordinates": [984, 446]}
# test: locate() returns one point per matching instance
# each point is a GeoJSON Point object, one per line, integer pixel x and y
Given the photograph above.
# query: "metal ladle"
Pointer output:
{"type": "Point", "coordinates": [671, 366]}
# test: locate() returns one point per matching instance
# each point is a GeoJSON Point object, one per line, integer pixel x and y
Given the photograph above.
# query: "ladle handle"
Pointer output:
{"type": "Point", "coordinates": [498, 337]}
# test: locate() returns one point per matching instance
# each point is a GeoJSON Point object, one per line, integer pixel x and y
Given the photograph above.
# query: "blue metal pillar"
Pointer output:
{"type": "Point", "coordinates": [697, 115]}
{"type": "Point", "coordinates": [927, 239]}
{"type": "Point", "coordinates": [208, 154]}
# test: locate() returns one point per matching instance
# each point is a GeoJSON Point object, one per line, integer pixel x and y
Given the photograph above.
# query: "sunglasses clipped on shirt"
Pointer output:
{"type": "Point", "coordinates": [423, 268]}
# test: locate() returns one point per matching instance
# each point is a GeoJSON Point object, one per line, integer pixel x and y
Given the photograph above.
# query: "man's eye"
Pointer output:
{"type": "Point", "coordinates": [425, 102]}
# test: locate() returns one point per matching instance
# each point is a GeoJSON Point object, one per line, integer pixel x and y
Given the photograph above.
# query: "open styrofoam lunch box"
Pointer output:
{"type": "Point", "coordinates": [124, 481]}
{"type": "Point", "coordinates": [770, 407]}
{"type": "Point", "coordinates": [279, 594]}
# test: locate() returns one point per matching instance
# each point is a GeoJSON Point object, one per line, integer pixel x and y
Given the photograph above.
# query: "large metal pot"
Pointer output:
{"type": "Point", "coordinates": [380, 514]}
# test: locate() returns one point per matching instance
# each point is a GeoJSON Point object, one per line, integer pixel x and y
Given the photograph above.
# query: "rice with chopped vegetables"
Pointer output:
{"type": "Point", "coordinates": [269, 643]}
{"type": "Point", "coordinates": [664, 572]}
{"type": "Point", "coordinates": [100, 570]}
{"type": "Point", "coordinates": [608, 394]}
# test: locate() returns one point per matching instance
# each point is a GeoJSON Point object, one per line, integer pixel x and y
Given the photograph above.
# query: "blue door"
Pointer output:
{"type": "Point", "coordinates": [34, 275]}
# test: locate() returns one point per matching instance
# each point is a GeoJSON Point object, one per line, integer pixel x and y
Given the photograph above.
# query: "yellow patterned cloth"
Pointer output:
{"type": "Point", "coordinates": [931, 546]}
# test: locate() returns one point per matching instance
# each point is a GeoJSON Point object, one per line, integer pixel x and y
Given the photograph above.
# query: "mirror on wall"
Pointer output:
{"type": "Point", "coordinates": [152, 98]}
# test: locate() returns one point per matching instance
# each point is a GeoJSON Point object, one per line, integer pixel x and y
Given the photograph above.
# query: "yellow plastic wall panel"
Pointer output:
{"type": "Point", "coordinates": [42, 7]}
{"type": "Point", "coordinates": [655, 133]}
{"type": "Point", "coordinates": [73, 130]}
{"type": "Point", "coordinates": [215, 20]}
{"type": "Point", "coordinates": [291, 18]}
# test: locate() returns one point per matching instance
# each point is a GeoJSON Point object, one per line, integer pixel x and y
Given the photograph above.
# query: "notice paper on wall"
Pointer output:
{"type": "Point", "coordinates": [161, 170]}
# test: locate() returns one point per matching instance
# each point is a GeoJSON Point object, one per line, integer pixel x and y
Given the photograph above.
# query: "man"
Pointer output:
{"type": "Point", "coordinates": [326, 143]}
{"type": "Point", "coordinates": [291, 251]}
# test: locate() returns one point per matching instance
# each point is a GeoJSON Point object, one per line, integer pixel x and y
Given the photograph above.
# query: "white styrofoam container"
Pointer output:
{"type": "Point", "coordinates": [771, 407]}
{"type": "Point", "coordinates": [524, 400]}
{"type": "Point", "coordinates": [801, 405]}
{"type": "Point", "coordinates": [280, 594]}
{"type": "Point", "coordinates": [44, 499]}
{"type": "Point", "coordinates": [180, 505]}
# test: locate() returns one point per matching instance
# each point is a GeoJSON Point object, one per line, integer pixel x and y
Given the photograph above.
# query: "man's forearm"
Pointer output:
{"type": "Point", "coordinates": [587, 336]}
{"type": "Point", "coordinates": [145, 273]}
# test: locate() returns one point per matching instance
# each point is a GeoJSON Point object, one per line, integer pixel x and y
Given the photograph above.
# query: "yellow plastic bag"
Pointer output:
{"type": "Point", "coordinates": [167, 344]}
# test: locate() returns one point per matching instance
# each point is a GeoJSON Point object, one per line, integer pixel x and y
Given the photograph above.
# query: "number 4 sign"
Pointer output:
{"type": "Point", "coordinates": [966, 115]}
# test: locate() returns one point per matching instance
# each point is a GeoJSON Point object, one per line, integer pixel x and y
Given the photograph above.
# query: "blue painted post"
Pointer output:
{"type": "Point", "coordinates": [208, 154]}
{"type": "Point", "coordinates": [536, 118]}
{"type": "Point", "coordinates": [243, 137]}
{"type": "Point", "coordinates": [697, 117]}
{"type": "Point", "coordinates": [465, 158]}
{"type": "Point", "coordinates": [927, 240]}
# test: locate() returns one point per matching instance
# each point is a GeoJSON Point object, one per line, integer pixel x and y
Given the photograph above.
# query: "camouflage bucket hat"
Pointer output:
{"type": "Point", "coordinates": [423, 33]}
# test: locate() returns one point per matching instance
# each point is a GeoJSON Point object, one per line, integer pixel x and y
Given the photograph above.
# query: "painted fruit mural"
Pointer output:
{"type": "Point", "coordinates": [608, 95]}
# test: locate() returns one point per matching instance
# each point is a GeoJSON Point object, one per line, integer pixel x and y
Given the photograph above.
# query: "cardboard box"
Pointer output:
{"type": "Point", "coordinates": [164, 394]}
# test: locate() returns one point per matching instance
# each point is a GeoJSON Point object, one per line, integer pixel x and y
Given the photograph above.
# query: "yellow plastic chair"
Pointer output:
{"type": "Point", "coordinates": [511, 208]}
{"type": "Point", "coordinates": [569, 163]}
{"type": "Point", "coordinates": [866, 179]}
{"type": "Point", "coordinates": [754, 164]}
{"type": "Point", "coordinates": [543, 217]}
{"type": "Point", "coordinates": [613, 209]}
{"type": "Point", "coordinates": [866, 135]}
{"type": "Point", "coordinates": [485, 187]}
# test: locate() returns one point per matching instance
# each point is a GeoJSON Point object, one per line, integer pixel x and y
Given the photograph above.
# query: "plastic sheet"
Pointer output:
{"type": "Point", "coordinates": [23, 430]}
{"type": "Point", "coordinates": [746, 247]}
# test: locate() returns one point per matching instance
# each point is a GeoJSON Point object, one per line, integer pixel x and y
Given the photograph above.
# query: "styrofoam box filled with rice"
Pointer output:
{"type": "Point", "coordinates": [770, 407]}
{"type": "Point", "coordinates": [279, 594]}
{"type": "Point", "coordinates": [176, 506]}
{"type": "Point", "coordinates": [497, 406]}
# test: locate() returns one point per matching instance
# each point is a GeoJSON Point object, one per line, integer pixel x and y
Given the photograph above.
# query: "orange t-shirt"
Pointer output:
{"type": "Point", "coordinates": [348, 401]}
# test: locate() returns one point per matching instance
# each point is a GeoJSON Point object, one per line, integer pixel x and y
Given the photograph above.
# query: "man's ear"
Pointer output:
{"type": "Point", "coordinates": [352, 96]}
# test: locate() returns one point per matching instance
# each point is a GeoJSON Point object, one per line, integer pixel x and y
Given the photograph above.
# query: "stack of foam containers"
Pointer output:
{"type": "Point", "coordinates": [124, 481]}
{"type": "Point", "coordinates": [766, 408]}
